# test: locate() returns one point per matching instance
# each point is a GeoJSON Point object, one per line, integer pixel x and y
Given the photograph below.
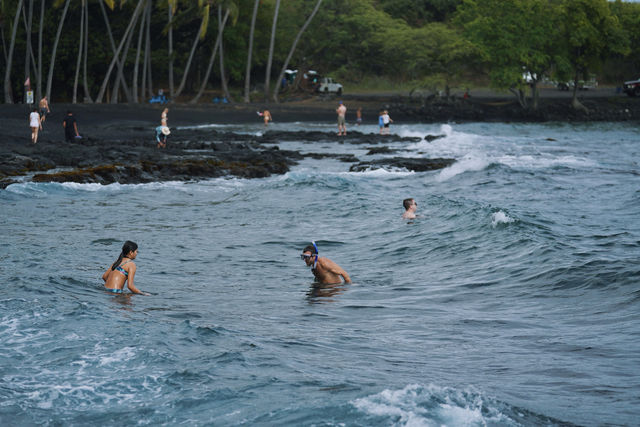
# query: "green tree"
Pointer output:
{"type": "Point", "coordinates": [514, 37]}
{"type": "Point", "coordinates": [590, 34]}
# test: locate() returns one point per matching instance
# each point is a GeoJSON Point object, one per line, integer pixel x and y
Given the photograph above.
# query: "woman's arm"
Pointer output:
{"type": "Point", "coordinates": [105, 276]}
{"type": "Point", "coordinates": [132, 272]}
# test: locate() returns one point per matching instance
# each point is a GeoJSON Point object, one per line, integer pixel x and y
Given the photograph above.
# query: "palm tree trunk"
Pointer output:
{"type": "Point", "coordinates": [87, 94]}
{"type": "Point", "coordinates": [7, 72]}
{"type": "Point", "coordinates": [39, 67]}
{"type": "Point", "coordinates": [293, 48]}
{"type": "Point", "coordinates": [148, 50]}
{"type": "Point", "coordinates": [116, 87]}
{"type": "Point", "coordinates": [223, 78]}
{"type": "Point", "coordinates": [133, 20]}
{"type": "Point", "coordinates": [188, 65]}
{"type": "Point", "coordinates": [55, 48]}
{"type": "Point", "coordinates": [134, 83]}
{"type": "Point", "coordinates": [267, 80]}
{"type": "Point", "coordinates": [247, 74]}
{"type": "Point", "coordinates": [171, 10]}
{"type": "Point", "coordinates": [29, 49]}
{"type": "Point", "coordinates": [120, 66]}
{"type": "Point", "coordinates": [79, 61]}
{"type": "Point", "coordinates": [211, 59]}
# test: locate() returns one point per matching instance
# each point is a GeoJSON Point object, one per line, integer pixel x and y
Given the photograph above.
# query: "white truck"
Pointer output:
{"type": "Point", "coordinates": [328, 85]}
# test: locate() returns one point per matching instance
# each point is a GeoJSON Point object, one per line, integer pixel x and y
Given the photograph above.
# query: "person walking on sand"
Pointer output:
{"type": "Point", "coordinates": [44, 108]}
{"type": "Point", "coordinates": [359, 116]}
{"type": "Point", "coordinates": [386, 120]}
{"type": "Point", "coordinates": [324, 270]}
{"type": "Point", "coordinates": [163, 117]}
{"type": "Point", "coordinates": [410, 208]}
{"type": "Point", "coordinates": [342, 124]}
{"type": "Point", "coordinates": [35, 124]}
{"type": "Point", "coordinates": [70, 126]}
{"type": "Point", "coordinates": [266, 116]}
{"type": "Point", "coordinates": [123, 270]}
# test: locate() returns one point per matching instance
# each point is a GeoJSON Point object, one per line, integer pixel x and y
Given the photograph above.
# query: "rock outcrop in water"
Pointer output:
{"type": "Point", "coordinates": [131, 156]}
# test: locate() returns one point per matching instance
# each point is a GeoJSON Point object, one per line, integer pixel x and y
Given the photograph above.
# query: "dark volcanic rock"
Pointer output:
{"type": "Point", "coordinates": [412, 164]}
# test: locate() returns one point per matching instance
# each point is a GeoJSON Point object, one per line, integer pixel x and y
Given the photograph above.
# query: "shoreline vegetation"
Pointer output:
{"type": "Point", "coordinates": [118, 142]}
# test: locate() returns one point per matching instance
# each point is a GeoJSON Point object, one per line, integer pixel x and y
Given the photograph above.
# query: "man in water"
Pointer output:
{"type": "Point", "coordinates": [342, 125]}
{"type": "Point", "coordinates": [325, 270]}
{"type": "Point", "coordinates": [410, 208]}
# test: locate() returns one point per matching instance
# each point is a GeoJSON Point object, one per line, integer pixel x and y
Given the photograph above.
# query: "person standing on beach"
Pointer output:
{"type": "Point", "coordinates": [44, 109]}
{"type": "Point", "coordinates": [342, 124]}
{"type": "Point", "coordinates": [359, 116]}
{"type": "Point", "coordinates": [266, 116]}
{"type": "Point", "coordinates": [35, 124]}
{"type": "Point", "coordinates": [324, 270]}
{"type": "Point", "coordinates": [70, 127]}
{"type": "Point", "coordinates": [410, 208]}
{"type": "Point", "coordinates": [381, 121]}
{"type": "Point", "coordinates": [386, 120]}
{"type": "Point", "coordinates": [123, 270]}
{"type": "Point", "coordinates": [163, 117]}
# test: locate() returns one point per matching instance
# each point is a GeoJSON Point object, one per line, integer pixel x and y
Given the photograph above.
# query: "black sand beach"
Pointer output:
{"type": "Point", "coordinates": [118, 143]}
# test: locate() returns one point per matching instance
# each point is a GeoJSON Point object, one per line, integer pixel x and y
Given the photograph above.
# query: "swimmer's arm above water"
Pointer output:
{"type": "Point", "coordinates": [130, 285]}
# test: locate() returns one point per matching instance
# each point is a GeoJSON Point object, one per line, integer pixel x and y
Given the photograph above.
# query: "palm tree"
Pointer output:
{"type": "Point", "coordinates": [80, 51]}
{"type": "Point", "coordinates": [293, 48]}
{"type": "Point", "coordinates": [204, 10]}
{"type": "Point", "coordinates": [120, 75]}
{"type": "Point", "coordinates": [116, 54]}
{"type": "Point", "coordinates": [7, 72]}
{"type": "Point", "coordinates": [223, 78]}
{"type": "Point", "coordinates": [247, 75]}
{"type": "Point", "coordinates": [39, 78]}
{"type": "Point", "coordinates": [28, 50]}
{"type": "Point", "coordinates": [267, 79]}
{"type": "Point", "coordinates": [213, 56]}
{"type": "Point", "coordinates": [172, 6]}
{"type": "Point", "coordinates": [55, 45]}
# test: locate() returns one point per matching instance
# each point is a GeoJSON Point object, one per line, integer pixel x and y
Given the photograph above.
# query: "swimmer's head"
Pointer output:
{"type": "Point", "coordinates": [129, 247]}
{"type": "Point", "coordinates": [128, 250]}
{"type": "Point", "coordinates": [309, 254]}
{"type": "Point", "coordinates": [407, 203]}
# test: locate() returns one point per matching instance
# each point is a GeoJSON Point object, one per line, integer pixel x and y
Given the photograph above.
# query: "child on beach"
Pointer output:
{"type": "Point", "coordinates": [266, 116]}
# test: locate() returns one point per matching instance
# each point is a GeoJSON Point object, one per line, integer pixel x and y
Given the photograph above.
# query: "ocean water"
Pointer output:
{"type": "Point", "coordinates": [513, 300]}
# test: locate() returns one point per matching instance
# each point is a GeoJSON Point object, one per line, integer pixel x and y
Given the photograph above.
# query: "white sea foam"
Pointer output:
{"type": "Point", "coordinates": [544, 161]}
{"type": "Point", "coordinates": [118, 356]}
{"type": "Point", "coordinates": [500, 218]}
{"type": "Point", "coordinates": [417, 405]}
{"type": "Point", "coordinates": [467, 164]}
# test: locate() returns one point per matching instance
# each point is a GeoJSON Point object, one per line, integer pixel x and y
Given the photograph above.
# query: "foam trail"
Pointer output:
{"type": "Point", "coordinates": [467, 164]}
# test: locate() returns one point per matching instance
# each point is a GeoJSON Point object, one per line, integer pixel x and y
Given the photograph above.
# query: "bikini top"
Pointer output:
{"type": "Point", "coordinates": [122, 270]}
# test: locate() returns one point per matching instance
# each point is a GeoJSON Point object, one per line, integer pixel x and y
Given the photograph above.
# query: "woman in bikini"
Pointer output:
{"type": "Point", "coordinates": [123, 270]}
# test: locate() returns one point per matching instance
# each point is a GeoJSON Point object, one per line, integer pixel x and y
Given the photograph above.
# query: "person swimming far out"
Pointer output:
{"type": "Point", "coordinates": [324, 270]}
{"type": "Point", "coordinates": [123, 270]}
{"type": "Point", "coordinates": [410, 208]}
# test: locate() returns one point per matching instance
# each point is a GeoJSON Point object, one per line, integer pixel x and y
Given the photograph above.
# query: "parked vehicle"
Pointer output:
{"type": "Point", "coordinates": [328, 85]}
{"type": "Point", "coordinates": [632, 87]}
{"type": "Point", "coordinates": [591, 83]}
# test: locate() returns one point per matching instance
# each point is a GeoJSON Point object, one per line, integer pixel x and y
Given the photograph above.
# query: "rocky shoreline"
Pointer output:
{"type": "Point", "coordinates": [118, 143]}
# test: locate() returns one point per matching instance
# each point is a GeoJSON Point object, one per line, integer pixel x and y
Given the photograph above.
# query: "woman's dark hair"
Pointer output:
{"type": "Point", "coordinates": [128, 246]}
{"type": "Point", "coordinates": [35, 110]}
